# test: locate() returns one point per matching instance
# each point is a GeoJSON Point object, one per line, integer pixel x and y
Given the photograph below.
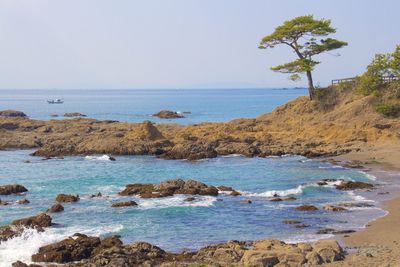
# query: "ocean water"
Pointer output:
{"type": "Point", "coordinates": [172, 223]}
{"type": "Point", "coordinates": [139, 105]}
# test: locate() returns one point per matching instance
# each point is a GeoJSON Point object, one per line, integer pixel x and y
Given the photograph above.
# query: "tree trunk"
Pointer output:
{"type": "Point", "coordinates": [311, 88]}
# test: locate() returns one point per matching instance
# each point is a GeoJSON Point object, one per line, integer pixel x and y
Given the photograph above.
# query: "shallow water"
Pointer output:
{"type": "Point", "coordinates": [173, 223]}
{"type": "Point", "coordinates": [138, 105]}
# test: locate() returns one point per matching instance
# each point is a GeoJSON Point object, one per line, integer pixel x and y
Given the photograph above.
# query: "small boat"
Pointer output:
{"type": "Point", "coordinates": [55, 101]}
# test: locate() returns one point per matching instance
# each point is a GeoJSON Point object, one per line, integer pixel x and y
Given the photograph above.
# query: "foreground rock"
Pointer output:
{"type": "Point", "coordinates": [82, 250]}
{"type": "Point", "coordinates": [168, 114]}
{"type": "Point", "coordinates": [16, 228]}
{"type": "Point", "coordinates": [67, 198]}
{"type": "Point", "coordinates": [169, 188]}
{"type": "Point", "coordinates": [12, 113]}
{"type": "Point", "coordinates": [12, 189]}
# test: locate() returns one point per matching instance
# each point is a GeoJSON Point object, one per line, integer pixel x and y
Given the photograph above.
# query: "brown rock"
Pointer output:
{"type": "Point", "coordinates": [349, 185]}
{"type": "Point", "coordinates": [23, 201]}
{"type": "Point", "coordinates": [12, 189]}
{"type": "Point", "coordinates": [168, 114]}
{"type": "Point", "coordinates": [124, 204]}
{"type": "Point", "coordinates": [74, 248]}
{"type": "Point", "coordinates": [334, 208]}
{"type": "Point", "coordinates": [40, 220]}
{"type": "Point", "coordinates": [67, 198]}
{"type": "Point", "coordinates": [235, 193]}
{"type": "Point", "coordinates": [259, 258]}
{"type": "Point", "coordinates": [291, 222]}
{"type": "Point", "coordinates": [56, 208]}
{"type": "Point", "coordinates": [74, 114]}
{"type": "Point", "coordinates": [12, 113]}
{"type": "Point", "coordinates": [306, 208]}
{"type": "Point", "coordinates": [329, 250]}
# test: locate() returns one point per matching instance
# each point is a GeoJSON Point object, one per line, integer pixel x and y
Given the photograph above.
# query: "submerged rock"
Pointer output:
{"type": "Point", "coordinates": [169, 188]}
{"type": "Point", "coordinates": [306, 208]}
{"type": "Point", "coordinates": [124, 204]}
{"type": "Point", "coordinates": [67, 198]}
{"type": "Point", "coordinates": [23, 201]}
{"type": "Point", "coordinates": [291, 222]}
{"type": "Point", "coordinates": [334, 208]}
{"type": "Point", "coordinates": [12, 113]}
{"type": "Point", "coordinates": [168, 114]}
{"type": "Point", "coordinates": [56, 208]}
{"type": "Point", "coordinates": [12, 189]}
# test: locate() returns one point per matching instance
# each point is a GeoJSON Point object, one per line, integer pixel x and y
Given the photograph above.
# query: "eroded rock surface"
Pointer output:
{"type": "Point", "coordinates": [12, 189]}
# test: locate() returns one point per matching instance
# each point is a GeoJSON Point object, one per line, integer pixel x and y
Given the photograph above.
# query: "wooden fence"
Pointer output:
{"type": "Point", "coordinates": [384, 79]}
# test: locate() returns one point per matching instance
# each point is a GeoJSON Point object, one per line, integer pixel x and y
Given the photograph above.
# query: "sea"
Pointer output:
{"type": "Point", "coordinates": [172, 223]}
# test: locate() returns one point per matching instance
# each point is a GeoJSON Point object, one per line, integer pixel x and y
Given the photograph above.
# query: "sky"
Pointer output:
{"type": "Point", "coordinates": [96, 44]}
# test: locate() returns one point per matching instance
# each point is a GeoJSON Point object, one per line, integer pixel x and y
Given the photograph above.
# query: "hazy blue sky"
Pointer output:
{"type": "Point", "coordinates": [176, 43]}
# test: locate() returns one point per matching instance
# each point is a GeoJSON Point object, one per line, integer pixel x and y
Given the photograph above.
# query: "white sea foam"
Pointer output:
{"type": "Point", "coordinates": [293, 191]}
{"type": "Point", "coordinates": [22, 247]}
{"type": "Point", "coordinates": [369, 176]}
{"type": "Point", "coordinates": [176, 201]}
{"type": "Point", "coordinates": [102, 158]}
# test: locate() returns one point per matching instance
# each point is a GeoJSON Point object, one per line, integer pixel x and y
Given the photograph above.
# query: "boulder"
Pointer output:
{"type": "Point", "coordinates": [169, 188]}
{"type": "Point", "coordinates": [168, 114]}
{"type": "Point", "coordinates": [67, 198]}
{"type": "Point", "coordinates": [124, 204]}
{"type": "Point", "coordinates": [12, 113]}
{"type": "Point", "coordinates": [12, 189]}
{"type": "Point", "coordinates": [40, 220]}
{"type": "Point", "coordinates": [57, 207]}
{"type": "Point", "coordinates": [306, 208]}
{"type": "Point", "coordinates": [259, 258]}
{"type": "Point", "coordinates": [74, 248]}
{"type": "Point", "coordinates": [350, 185]}
{"type": "Point", "coordinates": [328, 250]}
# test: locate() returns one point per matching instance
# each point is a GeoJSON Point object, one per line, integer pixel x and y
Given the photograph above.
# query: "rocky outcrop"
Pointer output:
{"type": "Point", "coordinates": [146, 131]}
{"type": "Point", "coordinates": [41, 220]}
{"type": "Point", "coordinates": [169, 188]}
{"type": "Point", "coordinates": [350, 185]}
{"type": "Point", "coordinates": [57, 207]}
{"type": "Point", "coordinates": [12, 113]}
{"type": "Point", "coordinates": [67, 198]}
{"type": "Point", "coordinates": [83, 251]}
{"type": "Point", "coordinates": [12, 189]}
{"type": "Point", "coordinates": [123, 204]}
{"type": "Point", "coordinates": [74, 114]}
{"type": "Point", "coordinates": [168, 114]}
{"type": "Point", "coordinates": [16, 228]}
{"type": "Point", "coordinates": [75, 248]}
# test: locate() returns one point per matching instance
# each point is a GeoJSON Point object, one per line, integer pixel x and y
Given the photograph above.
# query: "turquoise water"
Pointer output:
{"type": "Point", "coordinates": [138, 105]}
{"type": "Point", "coordinates": [172, 223]}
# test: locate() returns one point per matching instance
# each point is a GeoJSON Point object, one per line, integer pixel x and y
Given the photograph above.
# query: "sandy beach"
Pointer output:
{"type": "Point", "coordinates": [379, 243]}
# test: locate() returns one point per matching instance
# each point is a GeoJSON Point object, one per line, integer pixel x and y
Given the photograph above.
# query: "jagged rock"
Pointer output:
{"type": "Point", "coordinates": [74, 114]}
{"type": "Point", "coordinates": [350, 185]}
{"type": "Point", "coordinates": [334, 208]}
{"type": "Point", "coordinates": [12, 189]}
{"type": "Point", "coordinates": [12, 113]}
{"type": "Point", "coordinates": [146, 131]}
{"type": "Point", "coordinates": [74, 248]}
{"type": "Point", "coordinates": [96, 195]}
{"type": "Point", "coordinates": [124, 204]}
{"type": "Point", "coordinates": [169, 188]}
{"type": "Point", "coordinates": [232, 191]}
{"type": "Point", "coordinates": [306, 208]}
{"type": "Point", "coordinates": [168, 114]}
{"type": "Point", "coordinates": [67, 198]}
{"type": "Point", "coordinates": [40, 220]}
{"type": "Point", "coordinates": [23, 201]}
{"type": "Point", "coordinates": [57, 207]}
{"type": "Point", "coordinates": [329, 250]}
